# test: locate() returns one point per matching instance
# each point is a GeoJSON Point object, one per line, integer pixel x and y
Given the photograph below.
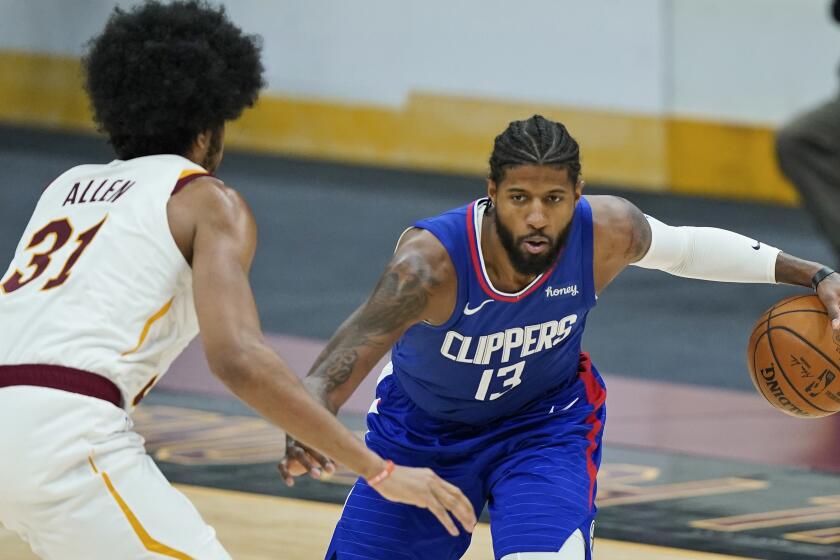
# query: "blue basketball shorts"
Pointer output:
{"type": "Point", "coordinates": [536, 471]}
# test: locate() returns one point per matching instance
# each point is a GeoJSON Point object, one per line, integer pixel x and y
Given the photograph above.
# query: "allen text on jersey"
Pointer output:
{"type": "Point", "coordinates": [106, 190]}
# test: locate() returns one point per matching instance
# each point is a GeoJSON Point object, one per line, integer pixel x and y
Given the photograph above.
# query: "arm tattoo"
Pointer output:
{"type": "Point", "coordinates": [338, 368]}
{"type": "Point", "coordinates": [640, 235]}
{"type": "Point", "coordinates": [400, 296]}
{"type": "Point", "coordinates": [398, 300]}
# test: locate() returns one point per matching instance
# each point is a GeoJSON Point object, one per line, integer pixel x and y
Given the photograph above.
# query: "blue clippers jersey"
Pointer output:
{"type": "Point", "coordinates": [498, 352]}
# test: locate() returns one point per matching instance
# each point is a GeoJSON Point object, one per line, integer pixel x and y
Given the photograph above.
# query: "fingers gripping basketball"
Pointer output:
{"type": "Point", "coordinates": [793, 358]}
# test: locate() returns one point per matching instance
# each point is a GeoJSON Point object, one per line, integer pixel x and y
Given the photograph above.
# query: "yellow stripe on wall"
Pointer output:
{"type": "Point", "coordinates": [44, 90]}
{"type": "Point", "coordinates": [445, 133]}
{"type": "Point", "coordinates": [726, 160]}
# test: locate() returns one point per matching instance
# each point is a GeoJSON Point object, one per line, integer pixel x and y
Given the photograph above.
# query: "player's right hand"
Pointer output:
{"type": "Point", "coordinates": [423, 488]}
{"type": "Point", "coordinates": [300, 459]}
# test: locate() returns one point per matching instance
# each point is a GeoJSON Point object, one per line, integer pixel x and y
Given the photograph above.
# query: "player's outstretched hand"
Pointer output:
{"type": "Point", "coordinates": [423, 488]}
{"type": "Point", "coordinates": [300, 459]}
{"type": "Point", "coordinates": [829, 293]}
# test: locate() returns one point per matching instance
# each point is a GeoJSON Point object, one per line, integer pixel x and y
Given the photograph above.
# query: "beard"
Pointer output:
{"type": "Point", "coordinates": [527, 263]}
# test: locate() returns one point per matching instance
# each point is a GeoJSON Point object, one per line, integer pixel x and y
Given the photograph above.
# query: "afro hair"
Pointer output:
{"type": "Point", "coordinates": [162, 73]}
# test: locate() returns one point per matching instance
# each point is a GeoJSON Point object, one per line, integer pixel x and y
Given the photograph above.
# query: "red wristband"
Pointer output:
{"type": "Point", "coordinates": [386, 472]}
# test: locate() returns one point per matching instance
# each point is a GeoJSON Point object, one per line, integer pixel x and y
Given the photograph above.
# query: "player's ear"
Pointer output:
{"type": "Point", "coordinates": [200, 146]}
{"type": "Point", "coordinates": [579, 188]}
{"type": "Point", "coordinates": [202, 141]}
{"type": "Point", "coordinates": [492, 191]}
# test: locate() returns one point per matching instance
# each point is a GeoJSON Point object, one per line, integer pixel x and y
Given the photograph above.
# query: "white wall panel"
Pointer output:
{"type": "Point", "coordinates": [752, 60]}
{"type": "Point", "coordinates": [736, 60]}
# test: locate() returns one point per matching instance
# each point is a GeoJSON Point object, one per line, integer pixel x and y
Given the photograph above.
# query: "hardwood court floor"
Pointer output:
{"type": "Point", "coordinates": [259, 527]}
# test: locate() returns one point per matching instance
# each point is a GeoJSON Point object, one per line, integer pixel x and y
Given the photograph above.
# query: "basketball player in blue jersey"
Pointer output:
{"type": "Point", "coordinates": [483, 309]}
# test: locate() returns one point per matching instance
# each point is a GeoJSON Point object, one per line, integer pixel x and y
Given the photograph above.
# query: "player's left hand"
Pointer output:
{"type": "Point", "coordinates": [300, 459]}
{"type": "Point", "coordinates": [829, 293]}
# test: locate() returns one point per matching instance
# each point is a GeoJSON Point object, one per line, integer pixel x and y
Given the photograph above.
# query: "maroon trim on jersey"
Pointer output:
{"type": "Point", "coordinates": [476, 261]}
{"type": "Point", "coordinates": [184, 181]}
{"type": "Point", "coordinates": [61, 378]}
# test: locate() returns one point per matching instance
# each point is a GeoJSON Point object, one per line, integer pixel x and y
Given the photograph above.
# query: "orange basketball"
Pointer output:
{"type": "Point", "coordinates": [793, 358]}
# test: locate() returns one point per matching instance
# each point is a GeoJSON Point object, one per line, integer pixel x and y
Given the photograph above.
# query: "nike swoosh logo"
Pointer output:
{"type": "Point", "coordinates": [565, 408]}
{"type": "Point", "coordinates": [474, 310]}
{"type": "Point", "coordinates": [568, 406]}
{"type": "Point", "coordinates": [757, 245]}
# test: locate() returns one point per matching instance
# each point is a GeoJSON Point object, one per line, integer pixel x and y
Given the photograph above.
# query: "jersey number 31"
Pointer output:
{"type": "Point", "coordinates": [61, 232]}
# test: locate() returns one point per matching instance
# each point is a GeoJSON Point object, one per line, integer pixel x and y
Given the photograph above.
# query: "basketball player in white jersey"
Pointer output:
{"type": "Point", "coordinates": [118, 269]}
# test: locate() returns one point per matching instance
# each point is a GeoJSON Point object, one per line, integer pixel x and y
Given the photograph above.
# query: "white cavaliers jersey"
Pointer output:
{"type": "Point", "coordinates": [97, 282]}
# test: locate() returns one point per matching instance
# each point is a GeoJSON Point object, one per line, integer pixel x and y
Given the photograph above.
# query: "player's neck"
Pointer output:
{"type": "Point", "coordinates": [198, 157]}
{"type": "Point", "coordinates": [499, 269]}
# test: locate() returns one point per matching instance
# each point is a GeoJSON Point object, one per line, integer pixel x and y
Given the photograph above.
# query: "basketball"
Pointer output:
{"type": "Point", "coordinates": [793, 358]}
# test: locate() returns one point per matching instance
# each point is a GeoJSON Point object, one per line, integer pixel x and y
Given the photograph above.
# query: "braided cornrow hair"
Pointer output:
{"type": "Point", "coordinates": [536, 141]}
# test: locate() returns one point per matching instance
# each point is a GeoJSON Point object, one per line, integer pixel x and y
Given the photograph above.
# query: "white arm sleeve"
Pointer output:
{"type": "Point", "coordinates": [709, 254]}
